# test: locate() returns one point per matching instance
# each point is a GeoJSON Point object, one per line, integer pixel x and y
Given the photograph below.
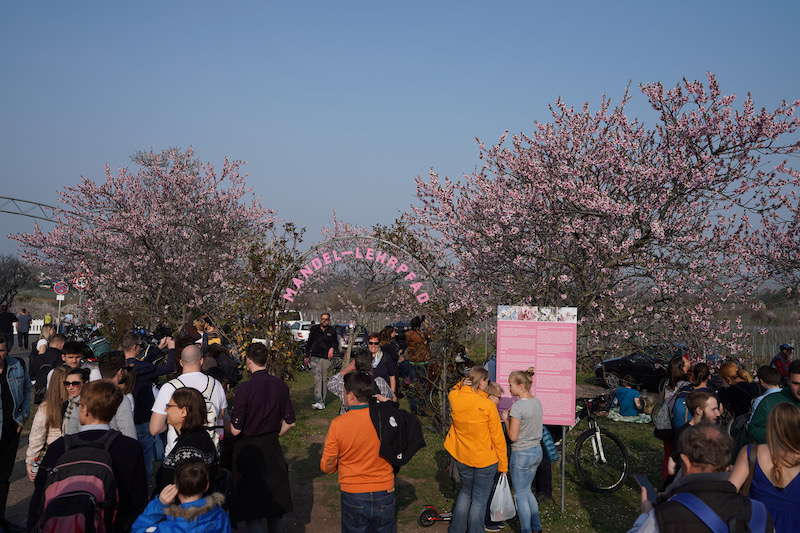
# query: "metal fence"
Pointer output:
{"type": "Point", "coordinates": [765, 346]}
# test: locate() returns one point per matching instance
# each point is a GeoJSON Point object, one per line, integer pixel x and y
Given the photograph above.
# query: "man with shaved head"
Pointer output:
{"type": "Point", "coordinates": [191, 362]}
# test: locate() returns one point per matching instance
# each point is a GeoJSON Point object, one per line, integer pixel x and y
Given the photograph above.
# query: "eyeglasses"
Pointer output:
{"type": "Point", "coordinates": [73, 383]}
{"type": "Point", "coordinates": [373, 343]}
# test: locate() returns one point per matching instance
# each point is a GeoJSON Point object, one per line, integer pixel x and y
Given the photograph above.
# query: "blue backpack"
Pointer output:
{"type": "Point", "coordinates": [758, 514]}
{"type": "Point", "coordinates": [679, 415]}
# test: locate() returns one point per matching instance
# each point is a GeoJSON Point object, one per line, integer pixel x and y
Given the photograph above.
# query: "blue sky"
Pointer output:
{"type": "Point", "coordinates": [340, 105]}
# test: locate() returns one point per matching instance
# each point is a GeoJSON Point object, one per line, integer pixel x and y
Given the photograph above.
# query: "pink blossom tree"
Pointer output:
{"type": "Point", "coordinates": [643, 227]}
{"type": "Point", "coordinates": [777, 250]}
{"type": "Point", "coordinates": [158, 244]}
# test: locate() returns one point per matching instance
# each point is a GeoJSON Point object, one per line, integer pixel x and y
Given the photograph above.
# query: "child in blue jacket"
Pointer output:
{"type": "Point", "coordinates": [193, 513]}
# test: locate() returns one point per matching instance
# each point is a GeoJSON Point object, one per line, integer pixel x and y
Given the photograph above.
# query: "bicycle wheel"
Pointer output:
{"type": "Point", "coordinates": [601, 465]}
{"type": "Point", "coordinates": [427, 517]}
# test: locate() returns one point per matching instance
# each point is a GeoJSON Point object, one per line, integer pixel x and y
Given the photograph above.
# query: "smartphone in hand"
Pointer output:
{"type": "Point", "coordinates": [642, 480]}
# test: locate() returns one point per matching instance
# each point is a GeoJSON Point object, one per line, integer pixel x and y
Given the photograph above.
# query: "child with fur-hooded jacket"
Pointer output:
{"type": "Point", "coordinates": [194, 513]}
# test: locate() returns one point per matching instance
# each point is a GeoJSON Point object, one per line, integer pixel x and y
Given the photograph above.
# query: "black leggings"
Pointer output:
{"type": "Point", "coordinates": [543, 480]}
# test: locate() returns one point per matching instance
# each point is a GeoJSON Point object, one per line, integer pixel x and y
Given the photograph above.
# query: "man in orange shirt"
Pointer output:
{"type": "Point", "coordinates": [352, 448]}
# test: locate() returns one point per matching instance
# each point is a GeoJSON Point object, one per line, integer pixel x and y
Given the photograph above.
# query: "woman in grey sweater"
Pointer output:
{"type": "Point", "coordinates": [524, 423]}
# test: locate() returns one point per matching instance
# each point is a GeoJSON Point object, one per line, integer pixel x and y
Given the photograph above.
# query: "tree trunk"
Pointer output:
{"type": "Point", "coordinates": [350, 342]}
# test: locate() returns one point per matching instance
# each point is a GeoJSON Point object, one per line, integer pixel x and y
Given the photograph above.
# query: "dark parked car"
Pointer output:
{"type": "Point", "coordinates": [343, 332]}
{"type": "Point", "coordinates": [647, 367]}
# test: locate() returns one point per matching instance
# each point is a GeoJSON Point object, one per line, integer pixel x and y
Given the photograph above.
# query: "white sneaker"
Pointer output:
{"type": "Point", "coordinates": [319, 406]}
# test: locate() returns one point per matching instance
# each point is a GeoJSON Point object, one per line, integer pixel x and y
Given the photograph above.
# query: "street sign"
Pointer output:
{"type": "Point", "coordinates": [60, 287]}
{"type": "Point", "coordinates": [81, 283]}
{"type": "Point", "coordinates": [60, 297]}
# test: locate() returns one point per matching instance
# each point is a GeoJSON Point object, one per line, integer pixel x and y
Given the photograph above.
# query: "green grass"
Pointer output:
{"type": "Point", "coordinates": [424, 480]}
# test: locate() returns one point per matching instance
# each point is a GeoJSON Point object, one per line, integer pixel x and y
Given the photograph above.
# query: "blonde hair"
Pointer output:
{"type": "Point", "coordinates": [494, 389]}
{"type": "Point", "coordinates": [47, 332]}
{"type": "Point", "coordinates": [783, 438]}
{"type": "Point", "coordinates": [522, 377]}
{"type": "Point", "coordinates": [475, 375]}
{"type": "Point", "coordinates": [728, 371]}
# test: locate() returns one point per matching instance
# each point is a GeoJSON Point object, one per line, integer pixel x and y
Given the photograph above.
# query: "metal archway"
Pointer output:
{"type": "Point", "coordinates": [284, 276]}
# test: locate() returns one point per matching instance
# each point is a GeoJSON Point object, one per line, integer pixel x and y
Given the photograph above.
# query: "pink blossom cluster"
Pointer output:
{"type": "Point", "coordinates": [163, 241]}
{"type": "Point", "coordinates": [648, 229]}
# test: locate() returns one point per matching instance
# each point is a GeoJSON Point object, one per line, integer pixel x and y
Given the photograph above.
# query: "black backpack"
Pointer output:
{"type": "Point", "coordinates": [81, 490]}
{"type": "Point", "coordinates": [399, 431]}
{"type": "Point", "coordinates": [40, 387]}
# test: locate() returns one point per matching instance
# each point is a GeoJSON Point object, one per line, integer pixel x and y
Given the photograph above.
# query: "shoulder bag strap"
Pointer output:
{"type": "Point", "coordinates": [758, 517]}
{"type": "Point", "coordinates": [210, 382]}
{"type": "Point", "coordinates": [108, 438]}
{"type": "Point", "coordinates": [702, 511]}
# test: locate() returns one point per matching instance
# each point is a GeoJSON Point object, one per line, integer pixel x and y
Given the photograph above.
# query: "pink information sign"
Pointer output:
{"type": "Point", "coordinates": [544, 338]}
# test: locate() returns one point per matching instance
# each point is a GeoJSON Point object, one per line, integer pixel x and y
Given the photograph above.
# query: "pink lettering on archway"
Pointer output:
{"type": "Point", "coordinates": [388, 261]}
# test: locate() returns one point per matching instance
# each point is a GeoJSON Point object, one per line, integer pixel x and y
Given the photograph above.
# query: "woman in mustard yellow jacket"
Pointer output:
{"type": "Point", "coordinates": [477, 444]}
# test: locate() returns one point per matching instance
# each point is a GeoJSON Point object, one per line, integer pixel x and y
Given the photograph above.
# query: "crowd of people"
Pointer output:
{"type": "Point", "coordinates": [149, 436]}
{"type": "Point", "coordinates": [168, 438]}
{"type": "Point", "coordinates": [731, 448]}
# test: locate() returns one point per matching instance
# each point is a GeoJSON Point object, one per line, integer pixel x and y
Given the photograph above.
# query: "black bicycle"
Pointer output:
{"type": "Point", "coordinates": [601, 459]}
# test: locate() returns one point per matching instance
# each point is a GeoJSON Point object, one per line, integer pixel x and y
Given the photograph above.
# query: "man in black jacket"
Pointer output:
{"type": "Point", "coordinates": [143, 397]}
{"type": "Point", "coordinates": [705, 452]}
{"type": "Point", "coordinates": [320, 348]}
{"type": "Point", "coordinates": [99, 403]}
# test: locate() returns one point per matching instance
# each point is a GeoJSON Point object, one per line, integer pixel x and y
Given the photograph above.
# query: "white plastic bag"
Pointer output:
{"type": "Point", "coordinates": [502, 506]}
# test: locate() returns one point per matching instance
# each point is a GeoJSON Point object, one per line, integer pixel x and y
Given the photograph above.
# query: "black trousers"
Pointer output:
{"type": "Point", "coordinates": [22, 340]}
{"type": "Point", "coordinates": [543, 481]}
{"type": "Point", "coordinates": [9, 442]}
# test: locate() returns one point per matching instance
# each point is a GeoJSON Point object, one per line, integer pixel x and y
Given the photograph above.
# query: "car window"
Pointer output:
{"type": "Point", "coordinates": [638, 359]}
{"type": "Point", "coordinates": [285, 316]}
{"type": "Point", "coordinates": [306, 327]}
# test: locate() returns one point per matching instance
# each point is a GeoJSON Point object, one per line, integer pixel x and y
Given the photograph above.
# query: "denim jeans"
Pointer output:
{"type": "Point", "coordinates": [148, 444]}
{"type": "Point", "coordinates": [368, 512]}
{"type": "Point", "coordinates": [470, 508]}
{"type": "Point", "coordinates": [523, 467]}
{"type": "Point", "coordinates": [488, 522]}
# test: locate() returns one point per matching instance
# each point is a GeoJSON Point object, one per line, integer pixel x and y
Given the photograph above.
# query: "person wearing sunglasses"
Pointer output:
{"type": "Point", "coordinates": [319, 349]}
{"type": "Point", "coordinates": [73, 383]}
{"type": "Point", "coordinates": [382, 365]}
{"type": "Point", "coordinates": [361, 362]}
{"type": "Point", "coordinates": [48, 421]}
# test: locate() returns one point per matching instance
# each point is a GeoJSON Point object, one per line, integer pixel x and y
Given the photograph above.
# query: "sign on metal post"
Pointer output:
{"type": "Point", "coordinates": [60, 287]}
{"type": "Point", "coordinates": [544, 338]}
